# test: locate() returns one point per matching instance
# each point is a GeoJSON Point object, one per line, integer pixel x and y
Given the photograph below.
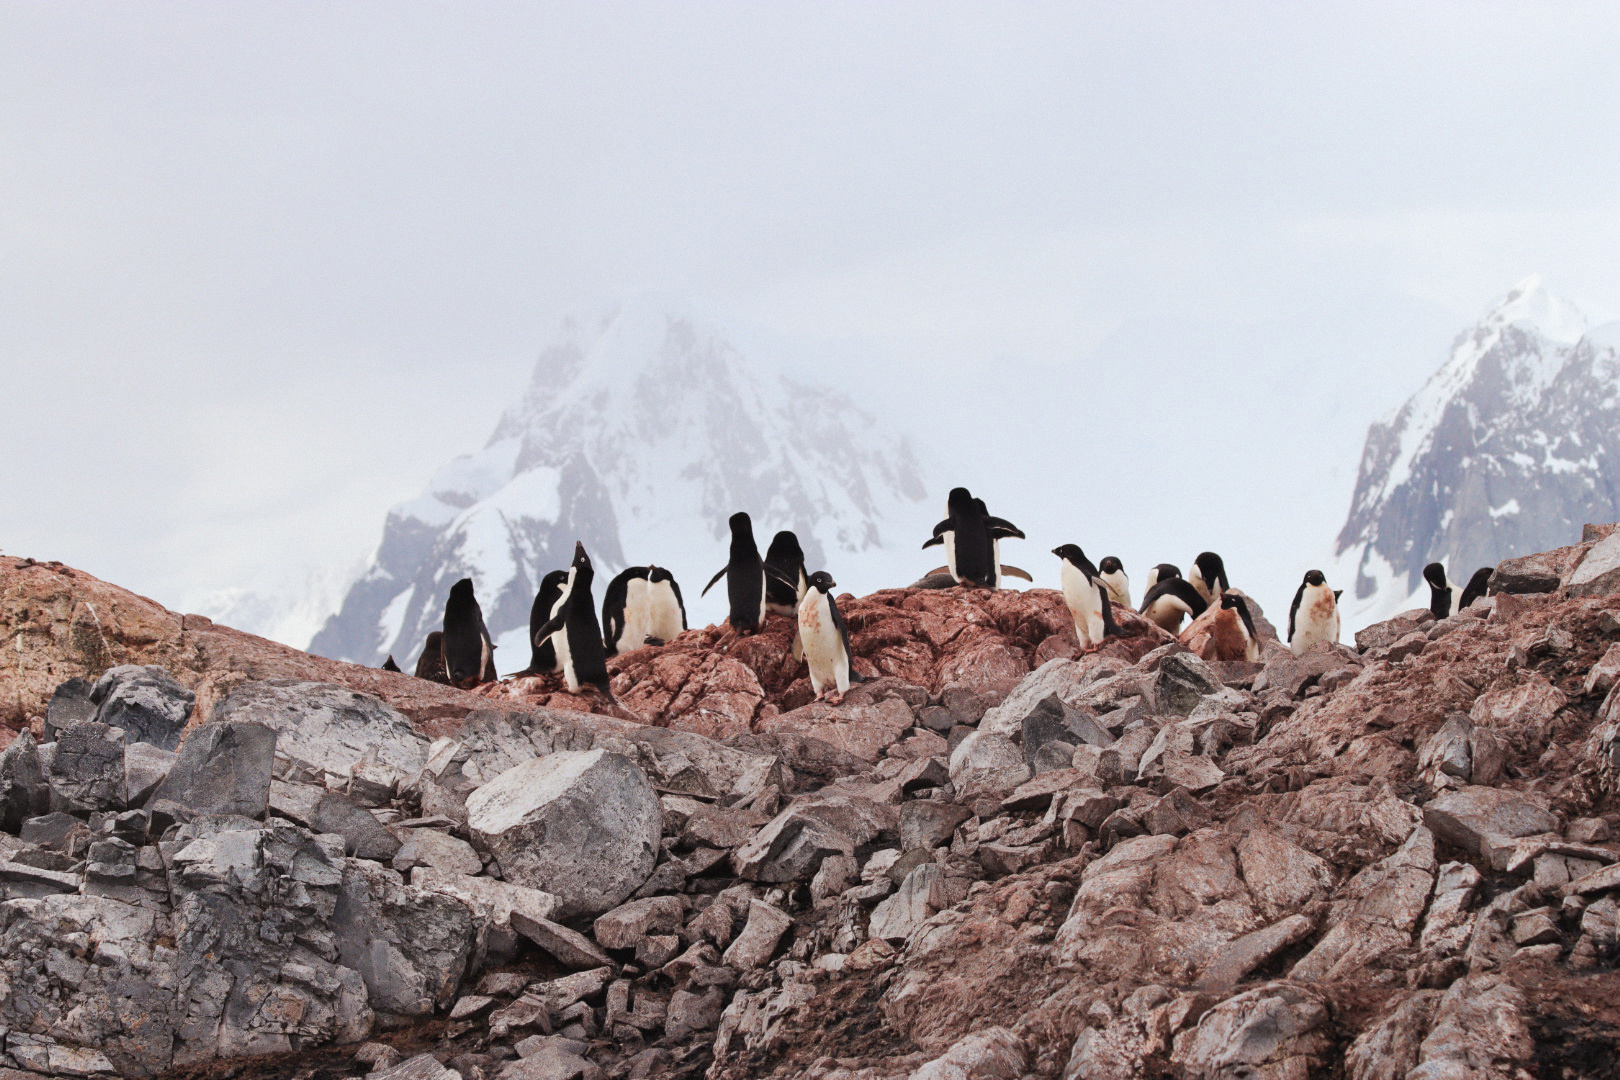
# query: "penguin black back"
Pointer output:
{"type": "Point", "coordinates": [1477, 587]}
{"type": "Point", "coordinates": [1211, 570]}
{"type": "Point", "coordinates": [784, 572]}
{"type": "Point", "coordinates": [975, 550]}
{"type": "Point", "coordinates": [1440, 595]}
{"type": "Point", "coordinates": [389, 665]}
{"type": "Point", "coordinates": [469, 655]}
{"type": "Point", "coordinates": [543, 654]}
{"type": "Point", "coordinates": [745, 577]}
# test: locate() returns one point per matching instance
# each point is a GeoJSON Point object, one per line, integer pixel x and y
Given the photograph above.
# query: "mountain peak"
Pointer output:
{"type": "Point", "coordinates": [1530, 306]}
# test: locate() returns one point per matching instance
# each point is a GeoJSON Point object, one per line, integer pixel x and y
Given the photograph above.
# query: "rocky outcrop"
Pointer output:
{"type": "Point", "coordinates": [1391, 860]}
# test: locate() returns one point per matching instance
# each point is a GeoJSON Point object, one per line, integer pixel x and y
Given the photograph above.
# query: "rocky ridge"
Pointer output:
{"type": "Point", "coordinates": [996, 859]}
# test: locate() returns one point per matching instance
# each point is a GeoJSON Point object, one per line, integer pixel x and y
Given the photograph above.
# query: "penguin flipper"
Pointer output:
{"type": "Point", "coordinates": [935, 539]}
{"type": "Point", "coordinates": [1013, 571]}
{"type": "Point", "coordinates": [714, 579]}
{"type": "Point", "coordinates": [1110, 627]}
{"type": "Point", "coordinates": [552, 625]}
{"type": "Point", "coordinates": [776, 573]}
{"type": "Point", "coordinates": [1001, 528]}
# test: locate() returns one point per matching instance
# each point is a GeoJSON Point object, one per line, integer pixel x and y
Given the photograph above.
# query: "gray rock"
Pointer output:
{"type": "Point", "coordinates": [1599, 572]}
{"type": "Point", "coordinates": [363, 835]}
{"type": "Point", "coordinates": [984, 762]}
{"type": "Point", "coordinates": [1382, 635]}
{"type": "Point", "coordinates": [87, 769]}
{"type": "Point", "coordinates": [1181, 682]}
{"type": "Point", "coordinates": [498, 903]}
{"type": "Point", "coordinates": [926, 824]}
{"type": "Point", "coordinates": [568, 947]}
{"type": "Point", "coordinates": [146, 703]}
{"type": "Point", "coordinates": [757, 942]}
{"type": "Point", "coordinates": [1063, 678]}
{"type": "Point", "coordinates": [57, 831]}
{"type": "Point", "coordinates": [627, 924]}
{"type": "Point", "coordinates": [1273, 1032]}
{"type": "Point", "coordinates": [993, 1053]}
{"type": "Point", "coordinates": [411, 946]}
{"type": "Point", "coordinates": [145, 766]}
{"type": "Point", "coordinates": [325, 729]}
{"type": "Point", "coordinates": [1447, 751]}
{"type": "Point", "coordinates": [920, 895]}
{"type": "Point", "coordinates": [70, 704]}
{"type": "Point", "coordinates": [1538, 573]}
{"type": "Point", "coordinates": [1052, 721]}
{"type": "Point", "coordinates": [793, 844]}
{"type": "Point", "coordinates": [420, 1067]}
{"type": "Point", "coordinates": [583, 825]}
{"type": "Point", "coordinates": [23, 791]}
{"type": "Point", "coordinates": [690, 1013]}
{"type": "Point", "coordinates": [223, 768]}
{"type": "Point", "coordinates": [432, 847]}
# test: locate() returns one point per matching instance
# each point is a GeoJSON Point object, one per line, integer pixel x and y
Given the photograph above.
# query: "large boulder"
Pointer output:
{"type": "Point", "coordinates": [1485, 821]}
{"type": "Point", "coordinates": [325, 729]}
{"type": "Point", "coordinates": [411, 946]}
{"type": "Point", "coordinates": [581, 825]}
{"type": "Point", "coordinates": [984, 762]}
{"type": "Point", "coordinates": [222, 769]}
{"type": "Point", "coordinates": [87, 770]}
{"type": "Point", "coordinates": [793, 844]}
{"type": "Point", "coordinates": [23, 791]}
{"type": "Point", "coordinates": [147, 703]}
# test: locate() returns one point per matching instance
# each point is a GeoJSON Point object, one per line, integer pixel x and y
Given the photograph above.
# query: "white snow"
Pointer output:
{"type": "Point", "coordinates": [1507, 508]}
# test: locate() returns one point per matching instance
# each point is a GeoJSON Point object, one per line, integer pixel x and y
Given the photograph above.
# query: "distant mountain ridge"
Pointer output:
{"type": "Point", "coordinates": [1508, 449]}
{"type": "Point", "coordinates": [639, 434]}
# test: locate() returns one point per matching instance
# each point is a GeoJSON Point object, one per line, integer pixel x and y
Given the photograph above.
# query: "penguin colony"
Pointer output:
{"type": "Point", "coordinates": [642, 605]}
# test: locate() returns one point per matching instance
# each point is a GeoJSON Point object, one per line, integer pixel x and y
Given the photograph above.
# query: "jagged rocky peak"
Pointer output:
{"type": "Point", "coordinates": [640, 432]}
{"type": "Point", "coordinates": [1507, 449]}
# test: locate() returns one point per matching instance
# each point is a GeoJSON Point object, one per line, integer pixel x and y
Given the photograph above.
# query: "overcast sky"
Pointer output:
{"type": "Point", "coordinates": [263, 268]}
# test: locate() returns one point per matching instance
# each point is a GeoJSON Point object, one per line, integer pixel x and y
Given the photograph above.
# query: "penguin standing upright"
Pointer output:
{"type": "Point", "coordinates": [785, 578]}
{"type": "Point", "coordinates": [1112, 573]}
{"type": "Point", "coordinates": [574, 629]}
{"type": "Point", "coordinates": [624, 605]}
{"type": "Point", "coordinates": [665, 617]}
{"type": "Point", "coordinates": [542, 652]}
{"type": "Point", "coordinates": [1233, 636]}
{"type": "Point", "coordinates": [1172, 599]}
{"type": "Point", "coordinates": [469, 654]}
{"type": "Point", "coordinates": [1086, 596]}
{"type": "Point", "coordinates": [825, 637]}
{"type": "Point", "coordinates": [745, 578]}
{"type": "Point", "coordinates": [1314, 615]}
{"type": "Point", "coordinates": [972, 541]}
{"type": "Point", "coordinates": [430, 665]}
{"type": "Point", "coordinates": [1446, 597]}
{"type": "Point", "coordinates": [1208, 576]}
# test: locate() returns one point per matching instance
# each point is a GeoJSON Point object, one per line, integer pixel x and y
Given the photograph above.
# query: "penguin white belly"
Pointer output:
{"type": "Point", "coordinates": [636, 603]}
{"type": "Point", "coordinates": [1197, 581]}
{"type": "Point", "coordinates": [995, 562]}
{"type": "Point", "coordinates": [565, 658]}
{"type": "Point", "coordinates": [950, 554]}
{"type": "Point", "coordinates": [663, 613]}
{"type": "Point", "coordinates": [1085, 605]}
{"type": "Point", "coordinates": [1316, 620]}
{"type": "Point", "coordinates": [823, 645]}
{"type": "Point", "coordinates": [1168, 611]}
{"type": "Point", "coordinates": [1119, 588]}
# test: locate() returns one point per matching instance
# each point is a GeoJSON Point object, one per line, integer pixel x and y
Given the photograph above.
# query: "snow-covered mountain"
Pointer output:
{"type": "Point", "coordinates": [1507, 449]}
{"type": "Point", "coordinates": [640, 434]}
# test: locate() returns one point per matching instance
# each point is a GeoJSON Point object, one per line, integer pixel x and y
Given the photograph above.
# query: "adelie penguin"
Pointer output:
{"type": "Point", "coordinates": [642, 606]}
{"type": "Point", "coordinates": [786, 580]}
{"type": "Point", "coordinates": [825, 637]}
{"type": "Point", "coordinates": [1171, 600]}
{"type": "Point", "coordinates": [469, 654]}
{"type": "Point", "coordinates": [745, 578]}
{"type": "Point", "coordinates": [389, 665]}
{"type": "Point", "coordinates": [1314, 614]}
{"type": "Point", "coordinates": [574, 631]}
{"type": "Point", "coordinates": [1112, 572]}
{"type": "Point", "coordinates": [1208, 576]}
{"type": "Point", "coordinates": [971, 538]}
{"type": "Point", "coordinates": [1087, 597]}
{"type": "Point", "coordinates": [1233, 636]}
{"type": "Point", "coordinates": [1446, 597]}
{"type": "Point", "coordinates": [430, 665]}
{"type": "Point", "coordinates": [542, 653]}
{"type": "Point", "coordinates": [1162, 572]}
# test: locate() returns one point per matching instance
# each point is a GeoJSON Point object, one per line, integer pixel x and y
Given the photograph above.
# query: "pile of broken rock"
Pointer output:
{"type": "Point", "coordinates": [1386, 860]}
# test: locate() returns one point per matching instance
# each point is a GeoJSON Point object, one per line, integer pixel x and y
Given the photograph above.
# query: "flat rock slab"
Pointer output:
{"type": "Point", "coordinates": [1484, 819]}
{"type": "Point", "coordinates": [222, 769]}
{"type": "Point", "coordinates": [146, 703]}
{"type": "Point", "coordinates": [325, 728]}
{"type": "Point", "coordinates": [581, 825]}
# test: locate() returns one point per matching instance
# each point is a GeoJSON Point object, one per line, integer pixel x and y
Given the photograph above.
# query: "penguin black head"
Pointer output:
{"type": "Point", "coordinates": [1111, 565]}
{"type": "Point", "coordinates": [1069, 553]}
{"type": "Point", "coordinates": [822, 581]}
{"type": "Point", "coordinates": [1166, 571]}
{"type": "Point", "coordinates": [1210, 567]}
{"type": "Point", "coordinates": [1231, 601]}
{"type": "Point", "coordinates": [959, 499]}
{"type": "Point", "coordinates": [582, 561]}
{"type": "Point", "coordinates": [742, 524]}
{"type": "Point", "coordinates": [1435, 575]}
{"type": "Point", "coordinates": [658, 573]}
{"type": "Point", "coordinates": [785, 549]}
{"type": "Point", "coordinates": [1315, 577]}
{"type": "Point", "coordinates": [462, 591]}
